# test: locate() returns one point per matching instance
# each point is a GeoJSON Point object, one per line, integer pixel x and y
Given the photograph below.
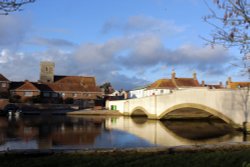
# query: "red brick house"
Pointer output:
{"type": "Point", "coordinates": [24, 90]}
{"type": "Point", "coordinates": [75, 87]}
{"type": "Point", "coordinates": [54, 88]}
{"type": "Point", "coordinates": [4, 86]}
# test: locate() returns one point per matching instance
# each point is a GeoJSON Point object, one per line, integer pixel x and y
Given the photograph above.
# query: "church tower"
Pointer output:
{"type": "Point", "coordinates": [47, 71]}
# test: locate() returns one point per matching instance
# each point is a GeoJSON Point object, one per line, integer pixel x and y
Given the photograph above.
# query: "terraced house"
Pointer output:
{"type": "Point", "coordinates": [165, 86]}
{"type": "Point", "coordinates": [4, 86]}
{"type": "Point", "coordinates": [53, 88]}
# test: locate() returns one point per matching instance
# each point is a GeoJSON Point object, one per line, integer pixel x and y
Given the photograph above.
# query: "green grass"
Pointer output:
{"type": "Point", "coordinates": [201, 159]}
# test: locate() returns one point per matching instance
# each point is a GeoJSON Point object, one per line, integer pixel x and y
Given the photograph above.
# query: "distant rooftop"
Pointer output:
{"type": "Point", "coordinates": [3, 78]}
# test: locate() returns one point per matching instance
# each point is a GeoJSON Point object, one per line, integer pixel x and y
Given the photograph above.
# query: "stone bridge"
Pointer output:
{"type": "Point", "coordinates": [232, 106]}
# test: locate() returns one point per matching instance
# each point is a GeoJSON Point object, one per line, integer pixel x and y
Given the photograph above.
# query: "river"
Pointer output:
{"type": "Point", "coordinates": [80, 132]}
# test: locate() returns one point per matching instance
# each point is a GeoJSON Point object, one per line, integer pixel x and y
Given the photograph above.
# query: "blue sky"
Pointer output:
{"type": "Point", "coordinates": [126, 42]}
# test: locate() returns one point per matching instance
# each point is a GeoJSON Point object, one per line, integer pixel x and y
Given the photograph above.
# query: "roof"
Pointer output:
{"type": "Point", "coordinates": [3, 78]}
{"type": "Point", "coordinates": [62, 84]}
{"type": "Point", "coordinates": [74, 79]}
{"type": "Point", "coordinates": [186, 82]}
{"type": "Point", "coordinates": [141, 87]}
{"type": "Point", "coordinates": [235, 85]}
{"type": "Point", "coordinates": [162, 83]}
{"type": "Point", "coordinates": [27, 86]}
{"type": "Point", "coordinates": [74, 83]}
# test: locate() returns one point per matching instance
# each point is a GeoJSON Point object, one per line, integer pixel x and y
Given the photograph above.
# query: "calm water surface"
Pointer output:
{"type": "Point", "coordinates": [78, 132]}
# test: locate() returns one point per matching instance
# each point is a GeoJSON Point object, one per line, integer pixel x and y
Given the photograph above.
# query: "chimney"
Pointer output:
{"type": "Point", "coordinates": [229, 80]}
{"type": "Point", "coordinates": [173, 74]}
{"type": "Point", "coordinates": [203, 83]}
{"type": "Point", "coordinates": [194, 76]}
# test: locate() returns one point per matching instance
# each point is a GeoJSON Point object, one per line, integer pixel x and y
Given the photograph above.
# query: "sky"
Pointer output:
{"type": "Point", "coordinates": [129, 43]}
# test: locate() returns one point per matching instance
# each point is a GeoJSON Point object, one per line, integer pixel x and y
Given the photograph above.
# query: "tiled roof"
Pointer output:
{"type": "Point", "coordinates": [74, 83]}
{"type": "Point", "coordinates": [235, 85]}
{"type": "Point", "coordinates": [142, 87]}
{"type": "Point", "coordinates": [61, 84]}
{"type": "Point", "coordinates": [27, 86]}
{"type": "Point", "coordinates": [74, 79]}
{"type": "Point", "coordinates": [162, 83]}
{"type": "Point", "coordinates": [186, 82]}
{"type": "Point", "coordinates": [3, 78]}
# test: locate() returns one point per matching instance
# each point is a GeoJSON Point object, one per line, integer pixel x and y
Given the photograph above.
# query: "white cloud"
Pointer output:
{"type": "Point", "coordinates": [51, 43]}
{"type": "Point", "coordinates": [144, 25]}
{"type": "Point", "coordinates": [139, 50]}
{"type": "Point", "coordinates": [4, 56]}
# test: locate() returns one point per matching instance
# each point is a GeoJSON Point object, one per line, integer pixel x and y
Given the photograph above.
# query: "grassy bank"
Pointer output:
{"type": "Point", "coordinates": [117, 159]}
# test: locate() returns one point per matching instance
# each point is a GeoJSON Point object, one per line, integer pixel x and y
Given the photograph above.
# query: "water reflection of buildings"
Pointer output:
{"type": "Point", "coordinates": [81, 132]}
{"type": "Point", "coordinates": [49, 133]}
{"type": "Point", "coordinates": [176, 133]}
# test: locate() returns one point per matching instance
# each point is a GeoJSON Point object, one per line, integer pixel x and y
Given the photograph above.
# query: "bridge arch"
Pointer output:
{"type": "Point", "coordinates": [200, 107]}
{"type": "Point", "coordinates": [139, 111]}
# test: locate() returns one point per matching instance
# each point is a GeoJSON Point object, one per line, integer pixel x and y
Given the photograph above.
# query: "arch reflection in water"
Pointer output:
{"type": "Point", "coordinates": [174, 133]}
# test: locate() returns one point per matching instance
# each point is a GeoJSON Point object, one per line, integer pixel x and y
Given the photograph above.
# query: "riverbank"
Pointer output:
{"type": "Point", "coordinates": [74, 112]}
{"type": "Point", "coordinates": [231, 154]}
{"type": "Point", "coordinates": [95, 112]}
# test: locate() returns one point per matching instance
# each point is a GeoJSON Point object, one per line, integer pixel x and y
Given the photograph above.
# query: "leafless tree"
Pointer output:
{"type": "Point", "coordinates": [231, 25]}
{"type": "Point", "coordinates": [8, 6]}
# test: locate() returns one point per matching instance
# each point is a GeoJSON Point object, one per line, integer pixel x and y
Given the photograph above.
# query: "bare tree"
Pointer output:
{"type": "Point", "coordinates": [8, 6]}
{"type": "Point", "coordinates": [231, 27]}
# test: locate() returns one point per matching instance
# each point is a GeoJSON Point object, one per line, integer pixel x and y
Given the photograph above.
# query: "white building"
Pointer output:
{"type": "Point", "coordinates": [164, 86]}
{"type": "Point", "coordinates": [137, 92]}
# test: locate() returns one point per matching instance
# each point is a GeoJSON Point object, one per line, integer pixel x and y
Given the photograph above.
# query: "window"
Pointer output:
{"type": "Point", "coordinates": [162, 91]}
{"type": "Point", "coordinates": [61, 94]}
{"type": "Point", "coordinates": [74, 94]}
{"type": "Point", "coordinates": [54, 95]}
{"type": "Point", "coordinates": [28, 94]}
{"type": "Point", "coordinates": [46, 94]}
{"type": "Point", "coordinates": [4, 85]}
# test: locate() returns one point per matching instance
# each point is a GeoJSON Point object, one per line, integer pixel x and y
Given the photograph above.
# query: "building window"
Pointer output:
{"type": "Point", "coordinates": [28, 94]}
{"type": "Point", "coordinates": [74, 94]}
{"type": "Point", "coordinates": [54, 95]}
{"type": "Point", "coordinates": [4, 85]}
{"type": "Point", "coordinates": [46, 94]}
{"type": "Point", "coordinates": [162, 91]}
{"type": "Point", "coordinates": [62, 94]}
